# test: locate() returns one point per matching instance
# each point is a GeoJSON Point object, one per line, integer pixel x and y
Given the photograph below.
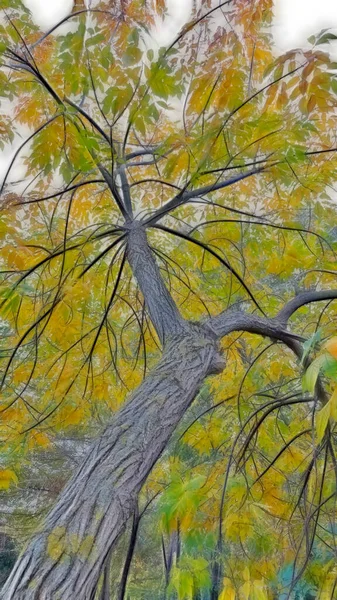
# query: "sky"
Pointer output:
{"type": "Point", "coordinates": [294, 21]}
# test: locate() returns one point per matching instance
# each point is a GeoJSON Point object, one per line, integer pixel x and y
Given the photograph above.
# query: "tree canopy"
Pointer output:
{"type": "Point", "coordinates": [192, 183]}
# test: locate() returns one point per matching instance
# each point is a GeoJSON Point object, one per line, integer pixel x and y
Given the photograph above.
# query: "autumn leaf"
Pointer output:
{"type": "Point", "coordinates": [331, 346]}
{"type": "Point", "coordinates": [8, 478]}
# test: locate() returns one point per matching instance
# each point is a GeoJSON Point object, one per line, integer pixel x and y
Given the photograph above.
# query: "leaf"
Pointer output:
{"type": "Point", "coordinates": [38, 439]}
{"type": "Point", "coordinates": [310, 344]}
{"type": "Point", "coordinates": [321, 421]}
{"type": "Point", "coordinates": [311, 103]}
{"type": "Point", "coordinates": [333, 405]}
{"type": "Point", "coordinates": [228, 590]}
{"type": "Point", "coordinates": [331, 346]}
{"type": "Point", "coordinates": [258, 590]}
{"type": "Point", "coordinates": [132, 56]}
{"type": "Point", "coordinates": [180, 501]}
{"type": "Point", "coordinates": [330, 367]}
{"type": "Point", "coordinates": [326, 38]}
{"type": "Point", "coordinates": [182, 582]}
{"type": "Point", "coordinates": [200, 570]}
{"type": "Point", "coordinates": [245, 591]}
{"type": "Point", "coordinates": [310, 377]}
{"type": "Point", "coordinates": [7, 479]}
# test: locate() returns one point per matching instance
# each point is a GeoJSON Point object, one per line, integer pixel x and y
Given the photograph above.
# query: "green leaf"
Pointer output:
{"type": "Point", "coordinates": [132, 56]}
{"type": "Point", "coordinates": [296, 154]}
{"type": "Point", "coordinates": [310, 377]}
{"type": "Point", "coordinates": [94, 40]}
{"type": "Point", "coordinates": [326, 38]}
{"type": "Point", "coordinates": [182, 583]}
{"type": "Point", "coordinates": [133, 37]}
{"type": "Point", "coordinates": [330, 367]}
{"type": "Point", "coordinates": [310, 344]}
{"type": "Point", "coordinates": [321, 421]}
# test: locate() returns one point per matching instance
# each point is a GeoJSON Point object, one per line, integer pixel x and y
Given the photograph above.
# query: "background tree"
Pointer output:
{"type": "Point", "coordinates": [175, 217]}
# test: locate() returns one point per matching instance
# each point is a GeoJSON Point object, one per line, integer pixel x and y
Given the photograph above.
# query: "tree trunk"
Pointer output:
{"type": "Point", "coordinates": [65, 559]}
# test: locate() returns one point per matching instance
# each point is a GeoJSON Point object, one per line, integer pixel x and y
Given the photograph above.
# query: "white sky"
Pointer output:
{"type": "Point", "coordinates": [47, 14]}
{"type": "Point", "coordinates": [294, 21]}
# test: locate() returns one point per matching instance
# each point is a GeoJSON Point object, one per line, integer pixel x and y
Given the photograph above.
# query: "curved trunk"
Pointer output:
{"type": "Point", "coordinates": [64, 560]}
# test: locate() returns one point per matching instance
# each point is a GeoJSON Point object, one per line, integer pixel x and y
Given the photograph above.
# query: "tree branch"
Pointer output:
{"type": "Point", "coordinates": [235, 320]}
{"type": "Point", "coordinates": [185, 196]}
{"type": "Point", "coordinates": [111, 184]}
{"type": "Point", "coordinates": [275, 327]}
{"type": "Point", "coordinates": [126, 190]}
{"type": "Point", "coordinates": [301, 300]}
{"type": "Point", "coordinates": [142, 152]}
{"type": "Point", "coordinates": [162, 309]}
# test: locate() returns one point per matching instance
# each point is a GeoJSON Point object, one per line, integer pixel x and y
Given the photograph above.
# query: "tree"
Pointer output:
{"type": "Point", "coordinates": [176, 196]}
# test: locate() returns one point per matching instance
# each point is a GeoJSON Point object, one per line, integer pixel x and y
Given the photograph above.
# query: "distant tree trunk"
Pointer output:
{"type": "Point", "coordinates": [216, 578]}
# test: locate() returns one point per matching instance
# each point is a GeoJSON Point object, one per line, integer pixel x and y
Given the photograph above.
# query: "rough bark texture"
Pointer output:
{"type": "Point", "coordinates": [65, 560]}
{"type": "Point", "coordinates": [160, 305]}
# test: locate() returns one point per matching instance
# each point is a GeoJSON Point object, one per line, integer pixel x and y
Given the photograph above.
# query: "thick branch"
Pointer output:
{"type": "Point", "coordinates": [303, 299]}
{"type": "Point", "coordinates": [163, 312]}
{"type": "Point", "coordinates": [142, 152]}
{"type": "Point", "coordinates": [233, 320]}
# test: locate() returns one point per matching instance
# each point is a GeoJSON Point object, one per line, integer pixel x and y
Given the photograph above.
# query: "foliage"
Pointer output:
{"type": "Point", "coordinates": [250, 477]}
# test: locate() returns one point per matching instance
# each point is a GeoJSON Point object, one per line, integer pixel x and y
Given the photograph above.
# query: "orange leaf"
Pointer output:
{"type": "Point", "coordinates": [331, 346]}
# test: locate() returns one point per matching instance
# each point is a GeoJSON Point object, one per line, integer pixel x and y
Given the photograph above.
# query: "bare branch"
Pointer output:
{"type": "Point", "coordinates": [184, 196]}
{"type": "Point", "coordinates": [303, 299]}
{"type": "Point", "coordinates": [234, 320]}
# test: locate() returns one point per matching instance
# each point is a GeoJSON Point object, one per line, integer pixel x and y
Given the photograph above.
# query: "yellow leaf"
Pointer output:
{"type": "Point", "coordinates": [321, 421]}
{"type": "Point", "coordinates": [7, 478]}
{"type": "Point", "coordinates": [311, 103]}
{"type": "Point", "coordinates": [327, 589]}
{"type": "Point", "coordinates": [238, 525]}
{"type": "Point", "coordinates": [258, 590]}
{"type": "Point", "coordinates": [333, 405]}
{"type": "Point", "coordinates": [245, 591]}
{"type": "Point", "coordinates": [228, 591]}
{"type": "Point", "coordinates": [39, 439]}
{"type": "Point", "coordinates": [68, 416]}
